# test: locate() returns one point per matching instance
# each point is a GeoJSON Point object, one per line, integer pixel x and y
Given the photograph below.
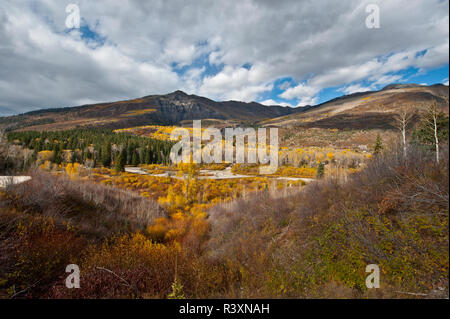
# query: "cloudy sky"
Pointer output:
{"type": "Point", "coordinates": [293, 53]}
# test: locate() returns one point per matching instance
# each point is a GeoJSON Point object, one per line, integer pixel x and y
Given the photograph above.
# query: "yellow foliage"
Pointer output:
{"type": "Point", "coordinates": [45, 155]}
{"type": "Point", "coordinates": [73, 170]}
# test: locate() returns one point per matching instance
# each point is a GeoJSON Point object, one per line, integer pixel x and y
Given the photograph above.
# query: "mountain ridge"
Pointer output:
{"type": "Point", "coordinates": [371, 109]}
{"type": "Point", "coordinates": [167, 109]}
{"type": "Point", "coordinates": [366, 110]}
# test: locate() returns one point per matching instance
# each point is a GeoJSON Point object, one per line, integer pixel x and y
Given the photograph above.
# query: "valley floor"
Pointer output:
{"type": "Point", "coordinates": [216, 238]}
{"type": "Point", "coordinates": [210, 174]}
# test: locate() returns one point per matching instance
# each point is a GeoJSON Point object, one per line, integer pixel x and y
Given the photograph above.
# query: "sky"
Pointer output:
{"type": "Point", "coordinates": [290, 53]}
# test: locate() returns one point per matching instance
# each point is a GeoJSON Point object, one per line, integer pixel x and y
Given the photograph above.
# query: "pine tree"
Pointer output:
{"type": "Point", "coordinates": [141, 153]}
{"type": "Point", "coordinates": [98, 153]}
{"type": "Point", "coordinates": [135, 159]}
{"type": "Point", "coordinates": [57, 158]}
{"type": "Point", "coordinates": [130, 152]}
{"type": "Point", "coordinates": [121, 161]}
{"type": "Point", "coordinates": [320, 170]}
{"type": "Point", "coordinates": [378, 145]}
{"type": "Point", "coordinates": [433, 129]}
{"type": "Point", "coordinates": [35, 155]}
{"type": "Point", "coordinates": [106, 155]}
{"type": "Point", "coordinates": [73, 157]}
{"type": "Point", "coordinates": [148, 155]}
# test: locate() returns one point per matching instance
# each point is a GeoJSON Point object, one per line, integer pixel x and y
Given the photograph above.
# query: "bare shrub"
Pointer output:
{"type": "Point", "coordinates": [393, 213]}
{"type": "Point", "coordinates": [97, 210]}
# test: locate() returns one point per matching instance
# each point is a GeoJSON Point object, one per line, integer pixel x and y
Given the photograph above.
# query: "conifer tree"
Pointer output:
{"type": "Point", "coordinates": [106, 155]}
{"type": "Point", "coordinates": [121, 161]}
{"type": "Point", "coordinates": [135, 159]}
{"type": "Point", "coordinates": [378, 145]}
{"type": "Point", "coordinates": [320, 170]}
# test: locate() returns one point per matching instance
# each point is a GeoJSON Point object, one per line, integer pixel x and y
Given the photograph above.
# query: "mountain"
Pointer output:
{"type": "Point", "coordinates": [362, 110]}
{"type": "Point", "coordinates": [169, 109]}
{"type": "Point", "coordinates": [366, 110]}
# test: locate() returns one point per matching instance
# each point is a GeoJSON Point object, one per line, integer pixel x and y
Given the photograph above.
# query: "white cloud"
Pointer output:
{"type": "Point", "coordinates": [299, 91]}
{"type": "Point", "coordinates": [49, 69]}
{"type": "Point", "coordinates": [242, 84]}
{"type": "Point", "coordinates": [269, 102]}
{"type": "Point", "coordinates": [317, 44]}
{"type": "Point", "coordinates": [386, 79]}
{"type": "Point", "coordinates": [305, 94]}
{"type": "Point", "coordinates": [354, 88]}
{"type": "Point", "coordinates": [305, 101]}
{"type": "Point", "coordinates": [376, 71]}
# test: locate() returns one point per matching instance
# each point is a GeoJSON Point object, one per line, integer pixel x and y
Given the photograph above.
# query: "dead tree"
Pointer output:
{"type": "Point", "coordinates": [402, 121]}
{"type": "Point", "coordinates": [431, 117]}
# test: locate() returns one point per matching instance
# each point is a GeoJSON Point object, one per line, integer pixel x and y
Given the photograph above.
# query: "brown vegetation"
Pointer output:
{"type": "Point", "coordinates": [299, 243]}
{"type": "Point", "coordinates": [394, 213]}
{"type": "Point", "coordinates": [95, 209]}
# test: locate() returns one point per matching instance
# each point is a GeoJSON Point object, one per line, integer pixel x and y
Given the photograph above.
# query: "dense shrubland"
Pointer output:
{"type": "Point", "coordinates": [92, 208]}
{"type": "Point", "coordinates": [318, 242]}
{"type": "Point", "coordinates": [288, 171]}
{"type": "Point", "coordinates": [47, 222]}
{"type": "Point", "coordinates": [313, 242]}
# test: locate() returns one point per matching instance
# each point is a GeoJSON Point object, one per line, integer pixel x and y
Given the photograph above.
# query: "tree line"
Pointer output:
{"type": "Point", "coordinates": [94, 147]}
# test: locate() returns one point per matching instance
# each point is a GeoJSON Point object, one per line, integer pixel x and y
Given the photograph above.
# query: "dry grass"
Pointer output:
{"type": "Point", "coordinates": [50, 221]}
{"type": "Point", "coordinates": [317, 242]}
{"type": "Point", "coordinates": [96, 210]}
{"type": "Point", "coordinates": [313, 242]}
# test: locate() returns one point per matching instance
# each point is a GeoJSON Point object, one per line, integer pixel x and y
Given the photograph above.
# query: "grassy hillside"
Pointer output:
{"type": "Point", "coordinates": [367, 110]}
{"type": "Point", "coordinates": [168, 109]}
